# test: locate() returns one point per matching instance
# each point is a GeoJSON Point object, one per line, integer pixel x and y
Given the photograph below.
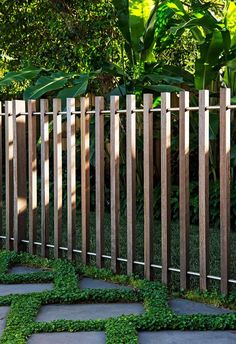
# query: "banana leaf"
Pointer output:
{"type": "Point", "coordinates": [79, 88]}
{"type": "Point", "coordinates": [135, 18]}
{"type": "Point", "coordinates": [44, 85]}
{"type": "Point", "coordinates": [211, 50]}
{"type": "Point", "coordinates": [28, 73]}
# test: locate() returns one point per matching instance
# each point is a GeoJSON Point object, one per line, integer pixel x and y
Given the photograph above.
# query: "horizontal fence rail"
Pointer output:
{"type": "Point", "coordinates": [51, 160]}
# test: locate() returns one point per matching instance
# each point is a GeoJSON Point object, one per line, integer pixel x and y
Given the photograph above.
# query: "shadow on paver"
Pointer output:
{"type": "Point", "coordinates": [20, 269]}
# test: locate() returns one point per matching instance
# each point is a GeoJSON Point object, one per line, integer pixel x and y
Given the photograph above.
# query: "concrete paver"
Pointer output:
{"type": "Point", "coordinates": [68, 338]}
{"type": "Point", "coordinates": [3, 315]}
{"type": "Point", "coordinates": [181, 306]}
{"type": "Point", "coordinates": [186, 337]}
{"type": "Point", "coordinates": [87, 311]}
{"type": "Point", "coordinates": [19, 269]}
{"type": "Point", "coordinates": [7, 289]}
{"type": "Point", "coordinates": [90, 283]}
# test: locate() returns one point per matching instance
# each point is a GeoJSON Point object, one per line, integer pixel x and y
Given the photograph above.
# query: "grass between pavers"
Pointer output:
{"type": "Point", "coordinates": [124, 329]}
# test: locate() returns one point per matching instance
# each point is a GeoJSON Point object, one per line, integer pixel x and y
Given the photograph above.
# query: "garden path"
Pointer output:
{"type": "Point", "coordinates": [103, 311]}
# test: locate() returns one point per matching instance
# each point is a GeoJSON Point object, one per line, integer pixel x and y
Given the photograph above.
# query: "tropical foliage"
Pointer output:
{"type": "Point", "coordinates": [138, 70]}
{"type": "Point", "coordinates": [120, 47]}
{"type": "Point", "coordinates": [48, 34]}
{"type": "Point", "coordinates": [216, 39]}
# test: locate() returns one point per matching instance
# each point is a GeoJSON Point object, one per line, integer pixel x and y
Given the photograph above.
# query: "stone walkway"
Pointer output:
{"type": "Point", "coordinates": [104, 311]}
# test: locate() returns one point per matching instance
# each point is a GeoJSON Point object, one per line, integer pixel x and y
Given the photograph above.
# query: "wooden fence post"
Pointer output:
{"type": "Point", "coordinates": [115, 182]}
{"type": "Point", "coordinates": [19, 173]}
{"type": "Point", "coordinates": [57, 176]}
{"type": "Point", "coordinates": [85, 177]}
{"type": "Point", "coordinates": [165, 184]}
{"type": "Point", "coordinates": [71, 176]}
{"type": "Point", "coordinates": [203, 186]}
{"type": "Point", "coordinates": [44, 131]}
{"type": "Point", "coordinates": [99, 137]}
{"type": "Point", "coordinates": [184, 187]}
{"type": "Point", "coordinates": [225, 96]}
{"type": "Point", "coordinates": [32, 169]}
{"type": "Point", "coordinates": [9, 172]}
{"type": "Point", "coordinates": [131, 180]}
{"type": "Point", "coordinates": [148, 183]}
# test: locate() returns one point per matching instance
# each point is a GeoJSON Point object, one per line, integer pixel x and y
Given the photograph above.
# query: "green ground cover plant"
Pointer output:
{"type": "Point", "coordinates": [65, 276]}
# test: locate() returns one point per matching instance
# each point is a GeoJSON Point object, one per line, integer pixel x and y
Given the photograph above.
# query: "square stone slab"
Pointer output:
{"type": "Point", "coordinates": [20, 269]}
{"type": "Point", "coordinates": [7, 289]}
{"type": "Point", "coordinates": [186, 337]}
{"type": "Point", "coordinates": [90, 283]}
{"type": "Point", "coordinates": [68, 338]}
{"type": "Point", "coordinates": [181, 306]}
{"type": "Point", "coordinates": [3, 315]}
{"type": "Point", "coordinates": [88, 311]}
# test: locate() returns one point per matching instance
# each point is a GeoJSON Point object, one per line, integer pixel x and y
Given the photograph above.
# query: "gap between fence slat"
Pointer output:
{"type": "Point", "coordinates": [57, 175]}
{"type": "Point", "coordinates": [99, 142]}
{"type": "Point", "coordinates": [148, 184]}
{"type": "Point", "coordinates": [85, 176]}
{"type": "Point", "coordinates": [203, 186]}
{"type": "Point", "coordinates": [32, 169]}
{"type": "Point", "coordinates": [225, 119]}
{"type": "Point", "coordinates": [184, 188]}
{"type": "Point", "coordinates": [1, 169]}
{"type": "Point", "coordinates": [44, 132]}
{"type": "Point", "coordinates": [115, 182]}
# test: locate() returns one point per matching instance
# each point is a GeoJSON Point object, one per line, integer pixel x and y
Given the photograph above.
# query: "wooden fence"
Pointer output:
{"type": "Point", "coordinates": [20, 176]}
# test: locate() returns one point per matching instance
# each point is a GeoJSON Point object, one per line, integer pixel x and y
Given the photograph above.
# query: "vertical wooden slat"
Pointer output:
{"type": "Point", "coordinates": [57, 176]}
{"type": "Point", "coordinates": [85, 177]}
{"type": "Point", "coordinates": [115, 181]}
{"type": "Point", "coordinates": [44, 132]}
{"type": "Point", "coordinates": [32, 168]}
{"type": "Point", "coordinates": [71, 176]}
{"type": "Point", "coordinates": [148, 183]}
{"type": "Point", "coordinates": [9, 172]}
{"type": "Point", "coordinates": [19, 173]}
{"type": "Point", "coordinates": [184, 187]}
{"type": "Point", "coordinates": [225, 187]}
{"type": "Point", "coordinates": [203, 186]}
{"type": "Point", "coordinates": [165, 183]}
{"type": "Point", "coordinates": [1, 168]}
{"type": "Point", "coordinates": [15, 183]}
{"type": "Point", "coordinates": [131, 180]}
{"type": "Point", "coordinates": [99, 135]}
